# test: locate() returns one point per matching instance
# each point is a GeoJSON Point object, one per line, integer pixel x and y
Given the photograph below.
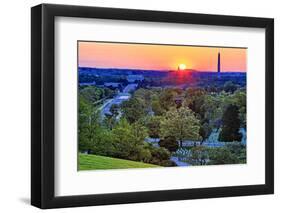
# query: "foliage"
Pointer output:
{"type": "Point", "coordinates": [170, 143]}
{"type": "Point", "coordinates": [160, 156]}
{"type": "Point", "coordinates": [152, 112]}
{"type": "Point", "coordinates": [145, 95]}
{"type": "Point", "coordinates": [239, 99]}
{"type": "Point", "coordinates": [139, 132]}
{"type": "Point", "coordinates": [205, 131]}
{"type": "Point", "coordinates": [102, 143]}
{"type": "Point", "coordinates": [109, 121]}
{"type": "Point", "coordinates": [229, 86]}
{"type": "Point", "coordinates": [230, 125]}
{"type": "Point", "coordinates": [88, 125]}
{"type": "Point", "coordinates": [181, 124]}
{"type": "Point", "coordinates": [153, 125]}
{"type": "Point", "coordinates": [92, 93]}
{"type": "Point", "coordinates": [133, 109]}
{"type": "Point", "coordinates": [111, 118]}
{"type": "Point", "coordinates": [199, 155]}
{"type": "Point", "coordinates": [238, 150]}
{"type": "Point", "coordinates": [114, 110]}
{"type": "Point", "coordinates": [195, 100]}
{"type": "Point", "coordinates": [222, 156]}
{"type": "Point", "coordinates": [124, 140]}
{"type": "Point", "coordinates": [157, 107]}
{"type": "Point", "coordinates": [166, 98]}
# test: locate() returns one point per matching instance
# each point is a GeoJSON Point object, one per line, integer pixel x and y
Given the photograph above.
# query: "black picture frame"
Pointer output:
{"type": "Point", "coordinates": [43, 102]}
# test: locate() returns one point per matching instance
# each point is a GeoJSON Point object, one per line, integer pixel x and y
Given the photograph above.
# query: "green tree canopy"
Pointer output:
{"type": "Point", "coordinates": [230, 125]}
{"type": "Point", "coordinates": [92, 93]}
{"type": "Point", "coordinates": [88, 125]}
{"type": "Point", "coordinates": [157, 107]}
{"type": "Point", "coordinates": [123, 139]}
{"type": "Point", "coordinates": [128, 139]}
{"type": "Point", "coordinates": [205, 131]}
{"type": "Point", "coordinates": [170, 143]}
{"type": "Point", "coordinates": [222, 156]}
{"type": "Point", "coordinates": [166, 98]}
{"type": "Point", "coordinates": [229, 86]}
{"type": "Point", "coordinates": [133, 109]}
{"type": "Point", "coordinates": [181, 124]}
{"type": "Point", "coordinates": [153, 125]}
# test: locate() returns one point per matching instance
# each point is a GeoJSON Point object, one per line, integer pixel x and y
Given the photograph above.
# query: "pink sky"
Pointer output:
{"type": "Point", "coordinates": [160, 57]}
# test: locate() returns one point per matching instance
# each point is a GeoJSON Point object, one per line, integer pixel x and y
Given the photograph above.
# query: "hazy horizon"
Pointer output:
{"type": "Point", "coordinates": [162, 70]}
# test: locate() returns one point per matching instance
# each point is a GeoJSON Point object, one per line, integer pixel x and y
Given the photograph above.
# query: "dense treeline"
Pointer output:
{"type": "Point", "coordinates": [170, 115]}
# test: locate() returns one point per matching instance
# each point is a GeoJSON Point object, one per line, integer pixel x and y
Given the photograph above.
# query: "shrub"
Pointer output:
{"type": "Point", "coordinates": [170, 143]}
{"type": "Point", "coordinates": [222, 156]}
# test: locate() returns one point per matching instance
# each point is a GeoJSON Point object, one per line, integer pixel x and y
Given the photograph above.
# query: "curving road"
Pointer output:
{"type": "Point", "coordinates": [118, 99]}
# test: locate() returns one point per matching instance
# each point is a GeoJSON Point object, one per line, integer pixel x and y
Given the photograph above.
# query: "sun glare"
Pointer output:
{"type": "Point", "coordinates": [182, 66]}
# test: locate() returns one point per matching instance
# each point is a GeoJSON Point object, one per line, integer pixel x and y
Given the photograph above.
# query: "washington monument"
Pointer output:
{"type": "Point", "coordinates": [219, 63]}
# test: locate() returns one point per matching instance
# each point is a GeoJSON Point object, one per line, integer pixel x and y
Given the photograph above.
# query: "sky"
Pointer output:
{"type": "Point", "coordinates": [160, 57]}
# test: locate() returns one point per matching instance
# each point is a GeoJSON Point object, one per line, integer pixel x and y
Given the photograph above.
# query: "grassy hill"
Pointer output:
{"type": "Point", "coordinates": [92, 162]}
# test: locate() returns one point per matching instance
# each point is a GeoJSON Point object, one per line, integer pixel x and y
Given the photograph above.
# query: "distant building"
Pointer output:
{"type": "Point", "coordinates": [112, 84]}
{"type": "Point", "coordinates": [133, 78]}
{"type": "Point", "coordinates": [87, 84]}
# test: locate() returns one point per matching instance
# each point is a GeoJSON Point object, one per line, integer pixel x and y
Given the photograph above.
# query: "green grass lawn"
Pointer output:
{"type": "Point", "coordinates": [92, 162]}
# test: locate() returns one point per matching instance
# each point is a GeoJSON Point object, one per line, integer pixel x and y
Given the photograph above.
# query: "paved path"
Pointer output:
{"type": "Point", "coordinates": [130, 87]}
{"type": "Point", "coordinates": [178, 162]}
{"type": "Point", "coordinates": [118, 99]}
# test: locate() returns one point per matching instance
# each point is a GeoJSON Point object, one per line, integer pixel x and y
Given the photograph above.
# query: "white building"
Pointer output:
{"type": "Point", "coordinates": [112, 84]}
{"type": "Point", "coordinates": [133, 78]}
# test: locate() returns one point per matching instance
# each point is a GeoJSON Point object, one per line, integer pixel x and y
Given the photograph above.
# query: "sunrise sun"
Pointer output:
{"type": "Point", "coordinates": [182, 67]}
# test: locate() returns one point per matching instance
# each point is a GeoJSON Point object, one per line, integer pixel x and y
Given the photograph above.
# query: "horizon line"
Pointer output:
{"type": "Point", "coordinates": [161, 70]}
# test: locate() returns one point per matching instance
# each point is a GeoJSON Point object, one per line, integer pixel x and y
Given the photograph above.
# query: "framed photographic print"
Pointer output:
{"type": "Point", "coordinates": [139, 106]}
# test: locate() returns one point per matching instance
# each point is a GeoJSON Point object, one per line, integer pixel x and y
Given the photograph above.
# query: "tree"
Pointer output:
{"type": "Point", "coordinates": [111, 118]}
{"type": "Point", "coordinates": [205, 131]}
{"type": "Point", "coordinates": [229, 86]}
{"type": "Point", "coordinates": [195, 99]}
{"type": "Point", "coordinates": [160, 156]}
{"type": "Point", "coordinates": [239, 150]}
{"type": "Point", "coordinates": [181, 124]}
{"type": "Point", "coordinates": [114, 110]}
{"type": "Point", "coordinates": [133, 109]}
{"type": "Point", "coordinates": [92, 93]}
{"type": "Point", "coordinates": [88, 132]}
{"type": "Point", "coordinates": [166, 98]}
{"type": "Point", "coordinates": [157, 107]}
{"type": "Point", "coordinates": [88, 125]}
{"type": "Point", "coordinates": [195, 92]}
{"type": "Point", "coordinates": [220, 156]}
{"type": "Point", "coordinates": [128, 139]}
{"type": "Point", "coordinates": [213, 107]}
{"type": "Point", "coordinates": [109, 121]}
{"type": "Point", "coordinates": [145, 95]}
{"type": "Point", "coordinates": [123, 139]}
{"type": "Point", "coordinates": [102, 143]}
{"type": "Point", "coordinates": [230, 125]}
{"type": "Point", "coordinates": [109, 93]}
{"type": "Point", "coordinates": [239, 99]}
{"type": "Point", "coordinates": [170, 143]}
{"type": "Point", "coordinates": [153, 125]}
{"type": "Point", "coordinates": [139, 133]}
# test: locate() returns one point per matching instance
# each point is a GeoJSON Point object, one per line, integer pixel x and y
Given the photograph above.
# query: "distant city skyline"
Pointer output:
{"type": "Point", "coordinates": [160, 57]}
